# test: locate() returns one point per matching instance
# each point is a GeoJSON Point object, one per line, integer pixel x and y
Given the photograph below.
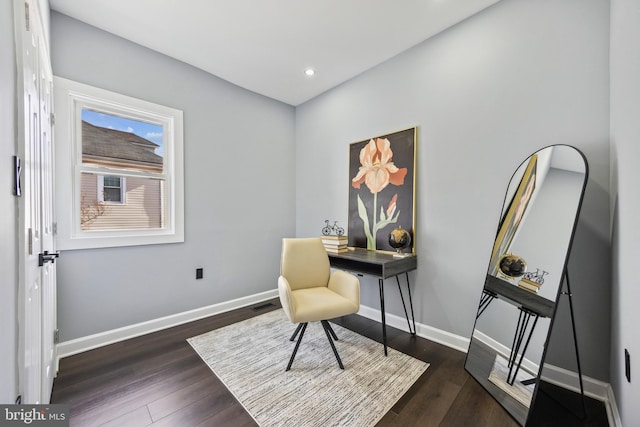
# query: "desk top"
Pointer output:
{"type": "Point", "coordinates": [379, 264]}
{"type": "Point", "coordinates": [519, 297]}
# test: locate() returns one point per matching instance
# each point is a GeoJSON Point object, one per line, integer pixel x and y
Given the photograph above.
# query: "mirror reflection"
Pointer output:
{"type": "Point", "coordinates": [525, 274]}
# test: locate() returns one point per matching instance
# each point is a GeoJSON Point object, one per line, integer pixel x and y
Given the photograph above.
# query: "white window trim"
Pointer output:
{"type": "Point", "coordinates": [123, 190]}
{"type": "Point", "coordinates": [70, 98]}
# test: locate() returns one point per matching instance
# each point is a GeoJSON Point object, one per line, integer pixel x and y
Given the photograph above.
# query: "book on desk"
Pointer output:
{"type": "Point", "coordinates": [335, 244]}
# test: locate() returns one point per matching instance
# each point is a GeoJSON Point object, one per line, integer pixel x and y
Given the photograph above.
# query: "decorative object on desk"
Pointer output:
{"type": "Point", "coordinates": [335, 244]}
{"type": "Point", "coordinates": [386, 166]}
{"type": "Point", "coordinates": [536, 276]}
{"type": "Point", "coordinates": [399, 239]}
{"type": "Point", "coordinates": [512, 266]}
{"type": "Point", "coordinates": [529, 285]}
{"type": "Point", "coordinates": [327, 230]}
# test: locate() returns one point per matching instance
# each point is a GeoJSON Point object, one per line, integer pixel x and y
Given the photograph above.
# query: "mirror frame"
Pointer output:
{"type": "Point", "coordinates": [560, 287]}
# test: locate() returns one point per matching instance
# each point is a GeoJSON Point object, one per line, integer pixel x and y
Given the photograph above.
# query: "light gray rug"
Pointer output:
{"type": "Point", "coordinates": [498, 375]}
{"type": "Point", "coordinates": [250, 358]}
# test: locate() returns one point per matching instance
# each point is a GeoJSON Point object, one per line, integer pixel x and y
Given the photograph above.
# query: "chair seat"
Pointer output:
{"type": "Point", "coordinates": [314, 304]}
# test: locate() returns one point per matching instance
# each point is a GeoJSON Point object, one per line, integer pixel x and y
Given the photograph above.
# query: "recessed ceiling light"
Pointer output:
{"type": "Point", "coordinates": [309, 72]}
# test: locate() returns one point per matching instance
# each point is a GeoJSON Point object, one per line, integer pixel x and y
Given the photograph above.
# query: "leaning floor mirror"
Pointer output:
{"type": "Point", "coordinates": [525, 275]}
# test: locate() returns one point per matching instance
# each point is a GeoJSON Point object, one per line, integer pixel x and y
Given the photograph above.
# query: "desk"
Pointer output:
{"type": "Point", "coordinates": [531, 306]}
{"type": "Point", "coordinates": [382, 266]}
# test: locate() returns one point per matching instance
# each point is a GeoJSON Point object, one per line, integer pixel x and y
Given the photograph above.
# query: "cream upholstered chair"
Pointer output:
{"type": "Point", "coordinates": [310, 292]}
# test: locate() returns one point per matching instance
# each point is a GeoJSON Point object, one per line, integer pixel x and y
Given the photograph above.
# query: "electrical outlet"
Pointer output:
{"type": "Point", "coordinates": [199, 273]}
{"type": "Point", "coordinates": [627, 365]}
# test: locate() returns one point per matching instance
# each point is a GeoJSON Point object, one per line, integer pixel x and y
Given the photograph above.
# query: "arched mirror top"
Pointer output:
{"type": "Point", "coordinates": [538, 219]}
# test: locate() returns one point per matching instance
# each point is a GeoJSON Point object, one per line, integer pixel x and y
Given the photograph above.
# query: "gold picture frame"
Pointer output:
{"type": "Point", "coordinates": [382, 173]}
{"type": "Point", "coordinates": [514, 214]}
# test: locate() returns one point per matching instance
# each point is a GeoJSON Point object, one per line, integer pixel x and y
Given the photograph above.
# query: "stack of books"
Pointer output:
{"type": "Point", "coordinates": [335, 244]}
{"type": "Point", "coordinates": [529, 285]}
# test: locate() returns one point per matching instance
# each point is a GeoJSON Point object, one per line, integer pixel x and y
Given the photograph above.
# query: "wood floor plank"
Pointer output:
{"type": "Point", "coordinates": [204, 407]}
{"type": "Point", "coordinates": [136, 418]}
{"type": "Point", "coordinates": [233, 416]}
{"type": "Point", "coordinates": [182, 397]}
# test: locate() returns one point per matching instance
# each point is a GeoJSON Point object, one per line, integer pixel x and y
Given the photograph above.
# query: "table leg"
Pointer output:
{"type": "Point", "coordinates": [485, 300]}
{"type": "Point", "coordinates": [382, 312]}
{"type": "Point", "coordinates": [521, 332]}
{"type": "Point", "coordinates": [406, 315]}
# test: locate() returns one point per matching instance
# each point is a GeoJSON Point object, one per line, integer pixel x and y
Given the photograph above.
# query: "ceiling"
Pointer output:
{"type": "Point", "coordinates": [265, 46]}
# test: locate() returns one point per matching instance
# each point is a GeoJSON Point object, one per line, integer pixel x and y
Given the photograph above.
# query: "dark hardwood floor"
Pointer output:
{"type": "Point", "coordinates": [158, 380]}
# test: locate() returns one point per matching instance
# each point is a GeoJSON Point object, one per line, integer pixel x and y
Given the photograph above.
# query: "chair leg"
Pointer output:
{"type": "Point", "coordinates": [328, 325]}
{"type": "Point", "coordinates": [327, 328]}
{"type": "Point", "coordinates": [293, 337]}
{"type": "Point", "coordinates": [295, 349]}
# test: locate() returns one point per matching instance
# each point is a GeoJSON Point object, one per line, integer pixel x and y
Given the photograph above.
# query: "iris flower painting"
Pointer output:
{"type": "Point", "coordinates": [381, 194]}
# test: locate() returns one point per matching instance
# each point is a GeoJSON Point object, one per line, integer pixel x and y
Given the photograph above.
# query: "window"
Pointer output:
{"type": "Point", "coordinates": [111, 189]}
{"type": "Point", "coordinates": [122, 159]}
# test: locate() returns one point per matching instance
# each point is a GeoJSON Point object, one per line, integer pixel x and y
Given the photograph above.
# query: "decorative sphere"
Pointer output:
{"type": "Point", "coordinates": [512, 265]}
{"type": "Point", "coordinates": [399, 238]}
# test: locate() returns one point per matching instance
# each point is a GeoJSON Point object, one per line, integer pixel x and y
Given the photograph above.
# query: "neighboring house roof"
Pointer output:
{"type": "Point", "coordinates": [114, 146]}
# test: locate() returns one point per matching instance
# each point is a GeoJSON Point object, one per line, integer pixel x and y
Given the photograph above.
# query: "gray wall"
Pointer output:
{"type": "Point", "coordinates": [625, 200]}
{"type": "Point", "coordinates": [239, 190]}
{"type": "Point", "coordinates": [9, 205]}
{"type": "Point", "coordinates": [484, 94]}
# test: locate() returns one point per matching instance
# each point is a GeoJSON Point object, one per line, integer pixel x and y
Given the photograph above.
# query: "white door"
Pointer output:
{"type": "Point", "coordinates": [48, 268]}
{"type": "Point", "coordinates": [37, 284]}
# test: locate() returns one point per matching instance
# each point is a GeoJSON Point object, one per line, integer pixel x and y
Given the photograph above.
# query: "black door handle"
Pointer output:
{"type": "Point", "coordinates": [47, 257]}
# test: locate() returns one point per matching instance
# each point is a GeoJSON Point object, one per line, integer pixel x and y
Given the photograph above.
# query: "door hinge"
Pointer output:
{"type": "Point", "coordinates": [54, 228]}
{"type": "Point", "coordinates": [30, 241]}
{"type": "Point", "coordinates": [56, 336]}
{"type": "Point", "coordinates": [53, 119]}
{"type": "Point", "coordinates": [26, 15]}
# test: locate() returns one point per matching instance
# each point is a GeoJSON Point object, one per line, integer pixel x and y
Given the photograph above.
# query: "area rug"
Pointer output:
{"type": "Point", "coordinates": [498, 376]}
{"type": "Point", "coordinates": [250, 358]}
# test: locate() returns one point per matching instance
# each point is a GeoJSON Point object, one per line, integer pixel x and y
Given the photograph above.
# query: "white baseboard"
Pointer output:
{"type": "Point", "coordinates": [79, 345]}
{"type": "Point", "coordinates": [505, 352]}
{"type": "Point", "coordinates": [569, 380]}
{"type": "Point", "coordinates": [432, 334]}
{"type": "Point", "coordinates": [593, 388]}
{"type": "Point", "coordinates": [612, 409]}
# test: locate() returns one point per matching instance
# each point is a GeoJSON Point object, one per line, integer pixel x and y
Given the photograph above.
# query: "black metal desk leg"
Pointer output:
{"type": "Point", "coordinates": [384, 320]}
{"type": "Point", "coordinates": [521, 332]}
{"type": "Point", "coordinates": [485, 300]}
{"type": "Point", "coordinates": [406, 315]}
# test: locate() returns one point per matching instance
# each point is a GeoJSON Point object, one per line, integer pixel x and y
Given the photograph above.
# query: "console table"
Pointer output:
{"type": "Point", "coordinates": [383, 266]}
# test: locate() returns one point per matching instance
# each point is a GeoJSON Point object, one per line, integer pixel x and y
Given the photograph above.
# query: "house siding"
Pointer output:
{"type": "Point", "coordinates": [142, 209]}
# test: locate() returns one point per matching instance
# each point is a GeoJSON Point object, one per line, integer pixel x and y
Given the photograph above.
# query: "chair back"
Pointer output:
{"type": "Point", "coordinates": [304, 262]}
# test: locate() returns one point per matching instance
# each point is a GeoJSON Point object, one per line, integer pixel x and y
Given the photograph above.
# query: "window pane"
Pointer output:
{"type": "Point", "coordinates": [112, 194]}
{"type": "Point", "coordinates": [114, 141]}
{"type": "Point", "coordinates": [144, 208]}
{"type": "Point", "coordinates": [112, 181]}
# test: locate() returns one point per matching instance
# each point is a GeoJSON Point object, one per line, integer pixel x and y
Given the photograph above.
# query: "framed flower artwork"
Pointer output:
{"type": "Point", "coordinates": [382, 189]}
